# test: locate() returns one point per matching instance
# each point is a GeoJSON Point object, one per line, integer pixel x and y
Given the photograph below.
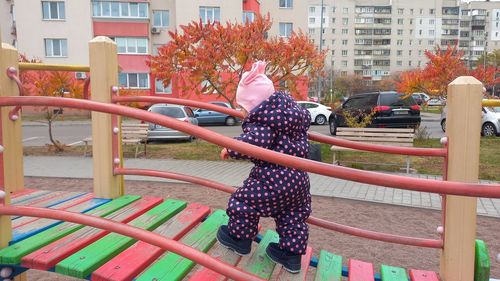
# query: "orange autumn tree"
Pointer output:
{"type": "Point", "coordinates": [211, 58]}
{"type": "Point", "coordinates": [443, 67]}
{"type": "Point", "coordinates": [51, 84]}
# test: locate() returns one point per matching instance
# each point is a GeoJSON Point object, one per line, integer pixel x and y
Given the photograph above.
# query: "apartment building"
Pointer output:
{"type": "Point", "coordinates": [376, 38]}
{"type": "Point", "coordinates": [58, 31]}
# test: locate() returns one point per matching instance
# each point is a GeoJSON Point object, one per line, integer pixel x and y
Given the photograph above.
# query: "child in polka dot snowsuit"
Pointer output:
{"type": "Point", "coordinates": [273, 121]}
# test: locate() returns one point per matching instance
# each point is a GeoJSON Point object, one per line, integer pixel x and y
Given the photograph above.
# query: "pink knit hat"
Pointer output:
{"type": "Point", "coordinates": [254, 87]}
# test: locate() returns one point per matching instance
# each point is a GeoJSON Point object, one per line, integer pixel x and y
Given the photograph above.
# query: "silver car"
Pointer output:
{"type": "Point", "coordinates": [490, 121]}
{"type": "Point", "coordinates": [179, 112]}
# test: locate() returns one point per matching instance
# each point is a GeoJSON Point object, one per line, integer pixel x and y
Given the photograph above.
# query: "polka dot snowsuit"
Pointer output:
{"type": "Point", "coordinates": [272, 190]}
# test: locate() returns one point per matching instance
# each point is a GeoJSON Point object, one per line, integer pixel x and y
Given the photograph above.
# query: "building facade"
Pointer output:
{"type": "Point", "coordinates": [58, 31]}
{"type": "Point", "coordinates": [377, 38]}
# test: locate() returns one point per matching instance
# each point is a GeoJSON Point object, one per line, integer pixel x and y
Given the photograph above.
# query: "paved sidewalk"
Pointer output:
{"type": "Point", "coordinates": [233, 173]}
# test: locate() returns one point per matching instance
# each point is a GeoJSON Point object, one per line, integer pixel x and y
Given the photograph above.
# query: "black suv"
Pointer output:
{"type": "Point", "coordinates": [391, 110]}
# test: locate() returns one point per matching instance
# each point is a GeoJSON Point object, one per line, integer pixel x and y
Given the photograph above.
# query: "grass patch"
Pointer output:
{"type": "Point", "coordinates": [489, 168]}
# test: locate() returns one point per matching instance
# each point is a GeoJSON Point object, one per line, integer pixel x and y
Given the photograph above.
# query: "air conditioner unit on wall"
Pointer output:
{"type": "Point", "coordinates": [80, 75]}
{"type": "Point", "coordinates": [155, 30]}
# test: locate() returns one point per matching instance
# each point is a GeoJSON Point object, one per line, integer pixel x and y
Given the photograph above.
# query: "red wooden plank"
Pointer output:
{"type": "Point", "coordinates": [48, 256]}
{"type": "Point", "coordinates": [423, 275]}
{"type": "Point", "coordinates": [62, 206]}
{"type": "Point", "coordinates": [285, 275]}
{"type": "Point", "coordinates": [40, 201]}
{"type": "Point", "coordinates": [135, 259]}
{"type": "Point", "coordinates": [360, 271]}
{"type": "Point", "coordinates": [21, 193]}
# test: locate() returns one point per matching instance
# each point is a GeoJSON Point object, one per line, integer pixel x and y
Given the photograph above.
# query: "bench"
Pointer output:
{"type": "Point", "coordinates": [384, 136]}
{"type": "Point", "coordinates": [86, 252]}
{"type": "Point", "coordinates": [132, 133]}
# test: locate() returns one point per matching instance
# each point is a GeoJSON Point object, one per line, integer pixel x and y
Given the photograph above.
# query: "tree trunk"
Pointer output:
{"type": "Point", "coordinates": [51, 117]}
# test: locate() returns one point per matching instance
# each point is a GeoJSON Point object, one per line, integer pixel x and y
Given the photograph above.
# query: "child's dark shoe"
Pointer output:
{"type": "Point", "coordinates": [241, 246]}
{"type": "Point", "coordinates": [290, 261]}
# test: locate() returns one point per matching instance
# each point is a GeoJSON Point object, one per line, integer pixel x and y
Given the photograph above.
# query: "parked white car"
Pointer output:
{"type": "Point", "coordinates": [490, 121]}
{"type": "Point", "coordinates": [319, 113]}
{"type": "Point", "coordinates": [436, 102]}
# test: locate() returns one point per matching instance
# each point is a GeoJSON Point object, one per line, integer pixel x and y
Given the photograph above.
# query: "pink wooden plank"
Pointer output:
{"type": "Point", "coordinates": [26, 198]}
{"type": "Point", "coordinates": [360, 271]}
{"type": "Point", "coordinates": [423, 275]}
{"type": "Point", "coordinates": [135, 259]}
{"type": "Point", "coordinates": [21, 193]}
{"type": "Point", "coordinates": [48, 256]}
{"type": "Point", "coordinates": [285, 275]}
{"type": "Point", "coordinates": [62, 206]}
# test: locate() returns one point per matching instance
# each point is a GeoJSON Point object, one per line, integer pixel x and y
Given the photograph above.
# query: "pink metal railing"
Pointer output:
{"type": "Point", "coordinates": [423, 185]}
{"type": "Point", "coordinates": [439, 152]}
{"type": "Point", "coordinates": [404, 240]}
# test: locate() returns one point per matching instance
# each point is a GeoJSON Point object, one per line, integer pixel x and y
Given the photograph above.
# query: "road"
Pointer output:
{"type": "Point", "coordinates": [70, 132]}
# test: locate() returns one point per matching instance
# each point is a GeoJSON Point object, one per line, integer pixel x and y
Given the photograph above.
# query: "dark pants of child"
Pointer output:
{"type": "Point", "coordinates": [289, 205]}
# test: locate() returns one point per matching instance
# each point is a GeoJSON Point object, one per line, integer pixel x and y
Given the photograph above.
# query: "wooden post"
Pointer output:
{"type": "Point", "coordinates": [104, 75]}
{"type": "Point", "coordinates": [11, 160]}
{"type": "Point", "coordinates": [463, 124]}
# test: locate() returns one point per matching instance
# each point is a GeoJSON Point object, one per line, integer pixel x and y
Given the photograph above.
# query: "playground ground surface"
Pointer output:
{"type": "Point", "coordinates": [368, 215]}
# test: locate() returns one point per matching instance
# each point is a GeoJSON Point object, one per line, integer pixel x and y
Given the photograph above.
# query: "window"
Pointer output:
{"type": "Point", "coordinates": [344, 63]}
{"type": "Point", "coordinates": [345, 31]}
{"type": "Point", "coordinates": [409, 63]}
{"type": "Point", "coordinates": [419, 63]}
{"type": "Point", "coordinates": [409, 53]}
{"type": "Point", "coordinates": [312, 10]}
{"type": "Point", "coordinates": [400, 52]}
{"type": "Point", "coordinates": [333, 30]}
{"type": "Point", "coordinates": [53, 10]}
{"type": "Point", "coordinates": [431, 32]}
{"type": "Point", "coordinates": [431, 42]}
{"type": "Point", "coordinates": [311, 31]}
{"type": "Point", "coordinates": [432, 11]}
{"type": "Point", "coordinates": [400, 32]}
{"type": "Point", "coordinates": [345, 10]}
{"type": "Point", "coordinates": [333, 52]}
{"type": "Point", "coordinates": [334, 9]}
{"type": "Point", "coordinates": [419, 42]}
{"type": "Point", "coordinates": [333, 20]}
{"type": "Point", "coordinates": [160, 18]}
{"type": "Point", "coordinates": [400, 11]}
{"type": "Point", "coordinates": [134, 80]}
{"type": "Point", "coordinates": [119, 9]}
{"type": "Point", "coordinates": [333, 41]}
{"type": "Point", "coordinates": [248, 16]}
{"type": "Point", "coordinates": [432, 21]}
{"type": "Point", "coordinates": [209, 14]}
{"type": "Point", "coordinates": [131, 45]}
{"type": "Point", "coordinates": [312, 20]}
{"type": "Point", "coordinates": [400, 21]}
{"type": "Point", "coordinates": [421, 11]}
{"type": "Point", "coordinates": [400, 42]}
{"type": "Point", "coordinates": [345, 21]}
{"type": "Point", "coordinates": [420, 32]}
{"type": "Point", "coordinates": [344, 42]}
{"type": "Point", "coordinates": [160, 89]}
{"type": "Point", "coordinates": [411, 31]}
{"type": "Point", "coordinates": [56, 47]}
{"type": "Point", "coordinates": [286, 4]}
{"type": "Point", "coordinates": [399, 63]}
{"type": "Point", "coordinates": [286, 29]}
{"type": "Point", "coordinates": [411, 11]}
{"type": "Point", "coordinates": [410, 42]}
{"type": "Point", "coordinates": [419, 53]}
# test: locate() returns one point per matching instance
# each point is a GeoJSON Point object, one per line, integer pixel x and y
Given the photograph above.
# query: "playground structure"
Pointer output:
{"type": "Point", "coordinates": [457, 242]}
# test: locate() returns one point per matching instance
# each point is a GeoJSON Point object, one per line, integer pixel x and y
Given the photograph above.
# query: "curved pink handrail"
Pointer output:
{"type": "Point", "coordinates": [12, 74]}
{"type": "Point", "coordinates": [375, 178]}
{"type": "Point", "coordinates": [415, 151]}
{"type": "Point", "coordinates": [373, 235]}
{"type": "Point", "coordinates": [133, 232]}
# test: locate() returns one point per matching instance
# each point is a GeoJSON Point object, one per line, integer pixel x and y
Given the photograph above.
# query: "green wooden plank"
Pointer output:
{"type": "Point", "coordinates": [14, 253]}
{"type": "Point", "coordinates": [174, 267]}
{"type": "Point", "coordinates": [88, 259]}
{"type": "Point", "coordinates": [482, 262]}
{"type": "Point", "coordinates": [259, 263]}
{"type": "Point", "coordinates": [391, 273]}
{"type": "Point", "coordinates": [329, 267]}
